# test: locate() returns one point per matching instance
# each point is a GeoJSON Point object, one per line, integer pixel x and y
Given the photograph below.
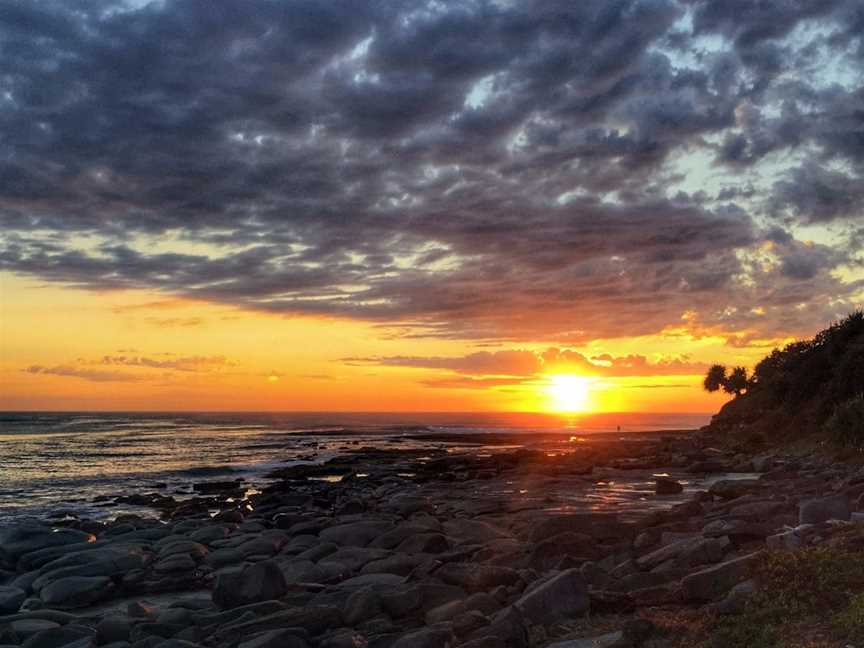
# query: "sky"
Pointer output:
{"type": "Point", "coordinates": [406, 205]}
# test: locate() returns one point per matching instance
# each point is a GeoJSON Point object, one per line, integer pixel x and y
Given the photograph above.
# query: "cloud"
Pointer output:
{"type": "Point", "coordinates": [815, 194]}
{"type": "Point", "coordinates": [182, 363]}
{"type": "Point", "coordinates": [167, 363]}
{"type": "Point", "coordinates": [502, 367]}
{"type": "Point", "coordinates": [449, 169]}
{"type": "Point", "coordinates": [93, 375]}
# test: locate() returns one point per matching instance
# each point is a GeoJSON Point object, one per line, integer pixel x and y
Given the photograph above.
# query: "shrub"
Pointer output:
{"type": "Point", "coordinates": [845, 426]}
{"type": "Point", "coordinates": [850, 622]}
{"type": "Point", "coordinates": [803, 586]}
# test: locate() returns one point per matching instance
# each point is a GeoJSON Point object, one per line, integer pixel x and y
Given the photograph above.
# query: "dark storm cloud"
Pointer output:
{"type": "Point", "coordinates": [452, 168]}
{"type": "Point", "coordinates": [815, 194]}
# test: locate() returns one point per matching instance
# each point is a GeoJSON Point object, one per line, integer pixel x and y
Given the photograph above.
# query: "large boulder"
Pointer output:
{"type": "Point", "coordinates": [600, 526]}
{"type": "Point", "coordinates": [729, 489]}
{"type": "Point", "coordinates": [476, 531]}
{"type": "Point", "coordinates": [562, 597]}
{"type": "Point", "coordinates": [15, 541]}
{"type": "Point", "coordinates": [262, 581]}
{"type": "Point", "coordinates": [686, 552]}
{"type": "Point", "coordinates": [313, 619]}
{"type": "Point", "coordinates": [11, 599]}
{"type": "Point", "coordinates": [477, 578]}
{"type": "Point", "coordinates": [60, 636]}
{"type": "Point", "coordinates": [709, 584]}
{"type": "Point", "coordinates": [822, 509]}
{"type": "Point", "coordinates": [361, 605]}
{"type": "Point", "coordinates": [355, 534]}
{"type": "Point", "coordinates": [284, 638]}
{"type": "Point", "coordinates": [76, 591]}
{"type": "Point", "coordinates": [426, 638]}
{"type": "Point", "coordinates": [546, 554]}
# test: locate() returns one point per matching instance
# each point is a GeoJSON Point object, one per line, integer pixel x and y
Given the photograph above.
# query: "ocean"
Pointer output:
{"type": "Point", "coordinates": [59, 463]}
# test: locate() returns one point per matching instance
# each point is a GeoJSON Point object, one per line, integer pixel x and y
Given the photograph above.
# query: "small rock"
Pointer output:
{"type": "Point", "coordinates": [728, 489]}
{"type": "Point", "coordinates": [667, 486]}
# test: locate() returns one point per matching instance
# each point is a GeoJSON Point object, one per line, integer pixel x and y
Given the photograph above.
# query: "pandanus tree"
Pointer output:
{"type": "Point", "coordinates": [735, 382]}
{"type": "Point", "coordinates": [715, 378]}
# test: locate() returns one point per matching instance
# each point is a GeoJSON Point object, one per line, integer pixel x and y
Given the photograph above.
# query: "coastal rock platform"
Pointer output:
{"type": "Point", "coordinates": [563, 542]}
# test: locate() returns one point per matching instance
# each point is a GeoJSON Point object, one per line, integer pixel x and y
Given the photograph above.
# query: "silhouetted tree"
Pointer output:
{"type": "Point", "coordinates": [736, 382]}
{"type": "Point", "coordinates": [715, 378]}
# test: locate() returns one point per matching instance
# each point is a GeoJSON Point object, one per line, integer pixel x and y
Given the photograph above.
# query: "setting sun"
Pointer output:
{"type": "Point", "coordinates": [568, 393]}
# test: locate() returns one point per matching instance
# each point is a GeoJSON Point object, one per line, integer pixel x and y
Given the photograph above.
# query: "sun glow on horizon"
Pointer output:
{"type": "Point", "coordinates": [569, 393]}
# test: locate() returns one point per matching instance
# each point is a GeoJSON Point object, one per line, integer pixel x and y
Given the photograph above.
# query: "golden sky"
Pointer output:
{"type": "Point", "coordinates": [70, 349]}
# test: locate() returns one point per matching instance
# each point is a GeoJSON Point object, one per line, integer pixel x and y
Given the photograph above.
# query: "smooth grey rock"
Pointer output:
{"type": "Point", "coordinates": [15, 541]}
{"type": "Point", "coordinates": [112, 629]}
{"type": "Point", "coordinates": [600, 526]}
{"type": "Point", "coordinates": [210, 533]}
{"type": "Point", "coordinates": [76, 591]}
{"type": "Point", "coordinates": [728, 489]}
{"type": "Point", "coordinates": [564, 596]}
{"type": "Point", "coordinates": [361, 606]}
{"type": "Point", "coordinates": [275, 639]}
{"type": "Point", "coordinates": [737, 598]}
{"type": "Point", "coordinates": [822, 509]}
{"type": "Point", "coordinates": [175, 563]}
{"type": "Point", "coordinates": [477, 578]}
{"type": "Point", "coordinates": [356, 534]}
{"type": "Point", "coordinates": [382, 580]}
{"type": "Point", "coordinates": [259, 582]}
{"type": "Point", "coordinates": [476, 531]}
{"type": "Point", "coordinates": [429, 543]}
{"type": "Point", "coordinates": [401, 601]}
{"type": "Point", "coordinates": [11, 599]}
{"type": "Point", "coordinates": [426, 638]}
{"type": "Point", "coordinates": [400, 564]}
{"type": "Point", "coordinates": [314, 619]}
{"type": "Point", "coordinates": [25, 628]}
{"type": "Point", "coordinates": [709, 584]}
{"type": "Point", "coordinates": [57, 637]}
{"type": "Point", "coordinates": [687, 552]}
{"type": "Point", "coordinates": [445, 612]}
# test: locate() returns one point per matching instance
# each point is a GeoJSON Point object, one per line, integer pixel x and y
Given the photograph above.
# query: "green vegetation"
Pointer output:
{"type": "Point", "coordinates": [845, 426]}
{"type": "Point", "coordinates": [814, 587]}
{"type": "Point", "coordinates": [812, 385]}
{"type": "Point", "coordinates": [850, 623]}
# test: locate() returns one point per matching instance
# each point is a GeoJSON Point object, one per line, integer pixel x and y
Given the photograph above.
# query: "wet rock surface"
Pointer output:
{"type": "Point", "coordinates": [506, 547]}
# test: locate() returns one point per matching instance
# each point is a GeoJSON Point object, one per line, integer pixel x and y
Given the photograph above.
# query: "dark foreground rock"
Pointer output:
{"type": "Point", "coordinates": [409, 549]}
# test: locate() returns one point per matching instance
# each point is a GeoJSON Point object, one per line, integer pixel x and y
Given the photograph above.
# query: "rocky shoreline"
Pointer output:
{"type": "Point", "coordinates": [568, 543]}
